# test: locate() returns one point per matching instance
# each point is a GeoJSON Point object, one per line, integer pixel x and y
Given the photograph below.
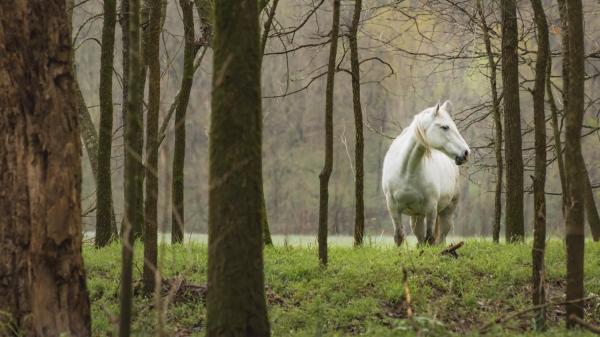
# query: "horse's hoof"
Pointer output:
{"type": "Point", "coordinates": [398, 240]}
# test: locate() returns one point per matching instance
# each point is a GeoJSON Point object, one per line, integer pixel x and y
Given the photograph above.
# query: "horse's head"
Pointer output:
{"type": "Point", "coordinates": [442, 134]}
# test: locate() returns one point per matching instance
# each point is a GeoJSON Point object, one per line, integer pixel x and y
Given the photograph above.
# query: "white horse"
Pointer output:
{"type": "Point", "coordinates": [420, 174]}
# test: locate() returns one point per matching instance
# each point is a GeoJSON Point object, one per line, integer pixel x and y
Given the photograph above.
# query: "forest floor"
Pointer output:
{"type": "Point", "coordinates": [360, 293]}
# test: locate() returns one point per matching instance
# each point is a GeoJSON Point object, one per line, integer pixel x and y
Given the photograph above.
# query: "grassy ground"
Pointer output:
{"type": "Point", "coordinates": [361, 292]}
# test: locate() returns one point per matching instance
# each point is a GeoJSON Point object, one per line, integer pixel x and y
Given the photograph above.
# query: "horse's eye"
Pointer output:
{"type": "Point", "coordinates": [445, 127]}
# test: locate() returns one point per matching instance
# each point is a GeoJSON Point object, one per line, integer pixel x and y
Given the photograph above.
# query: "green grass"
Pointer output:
{"type": "Point", "coordinates": [361, 291]}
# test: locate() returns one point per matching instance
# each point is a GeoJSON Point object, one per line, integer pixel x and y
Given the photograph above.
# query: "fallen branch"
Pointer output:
{"type": "Point", "coordinates": [409, 310]}
{"type": "Point", "coordinates": [451, 250]}
{"type": "Point", "coordinates": [584, 324]}
{"type": "Point", "coordinates": [509, 316]}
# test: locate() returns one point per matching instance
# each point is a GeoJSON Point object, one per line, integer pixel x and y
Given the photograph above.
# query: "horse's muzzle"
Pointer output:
{"type": "Point", "coordinates": [459, 160]}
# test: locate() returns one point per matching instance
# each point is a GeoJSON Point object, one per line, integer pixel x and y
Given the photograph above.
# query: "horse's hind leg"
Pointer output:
{"type": "Point", "coordinates": [417, 223]}
{"type": "Point", "coordinates": [396, 216]}
{"type": "Point", "coordinates": [446, 222]}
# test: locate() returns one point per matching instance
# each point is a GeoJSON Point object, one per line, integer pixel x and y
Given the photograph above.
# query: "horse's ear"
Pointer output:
{"type": "Point", "coordinates": [436, 110]}
{"type": "Point", "coordinates": [447, 106]}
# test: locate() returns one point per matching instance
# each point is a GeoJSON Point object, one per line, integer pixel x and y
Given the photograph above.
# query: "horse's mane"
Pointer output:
{"type": "Point", "coordinates": [420, 135]}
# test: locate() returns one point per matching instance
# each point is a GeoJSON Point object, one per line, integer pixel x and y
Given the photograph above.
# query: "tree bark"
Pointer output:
{"type": "Point", "coordinates": [236, 305]}
{"type": "Point", "coordinates": [359, 217]}
{"type": "Point", "coordinates": [43, 288]}
{"type": "Point", "coordinates": [515, 230]}
{"type": "Point", "coordinates": [151, 175]}
{"type": "Point", "coordinates": [574, 164]}
{"type": "Point", "coordinates": [328, 165]}
{"type": "Point", "coordinates": [177, 216]}
{"type": "Point", "coordinates": [133, 218]}
{"type": "Point", "coordinates": [539, 180]}
{"type": "Point", "coordinates": [105, 221]}
{"type": "Point", "coordinates": [497, 123]}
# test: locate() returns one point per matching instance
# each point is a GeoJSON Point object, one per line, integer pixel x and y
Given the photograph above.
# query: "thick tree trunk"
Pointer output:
{"type": "Point", "coordinates": [43, 287]}
{"type": "Point", "coordinates": [133, 217]}
{"type": "Point", "coordinates": [328, 165]}
{"type": "Point", "coordinates": [236, 305]}
{"type": "Point", "coordinates": [151, 175]}
{"type": "Point", "coordinates": [359, 217]}
{"type": "Point", "coordinates": [497, 124]}
{"type": "Point", "coordinates": [574, 164]}
{"type": "Point", "coordinates": [177, 217]}
{"type": "Point", "coordinates": [105, 221]}
{"type": "Point", "coordinates": [539, 180]}
{"type": "Point", "coordinates": [515, 230]}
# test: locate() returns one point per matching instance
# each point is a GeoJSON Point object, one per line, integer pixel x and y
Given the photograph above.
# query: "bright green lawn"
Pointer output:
{"type": "Point", "coordinates": [361, 292]}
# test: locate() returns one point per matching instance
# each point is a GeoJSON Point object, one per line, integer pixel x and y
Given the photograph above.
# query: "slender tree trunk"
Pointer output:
{"type": "Point", "coordinates": [515, 230]}
{"type": "Point", "coordinates": [88, 130]}
{"type": "Point", "coordinates": [590, 209]}
{"type": "Point", "coordinates": [124, 23]}
{"type": "Point", "coordinates": [236, 305]}
{"type": "Point", "coordinates": [359, 217]}
{"type": "Point", "coordinates": [328, 165]}
{"type": "Point", "coordinates": [539, 180]}
{"type": "Point", "coordinates": [133, 128]}
{"type": "Point", "coordinates": [133, 188]}
{"type": "Point", "coordinates": [263, 44]}
{"type": "Point", "coordinates": [557, 137]}
{"type": "Point", "coordinates": [105, 221]}
{"type": "Point", "coordinates": [151, 201]}
{"type": "Point", "coordinates": [562, 6]}
{"type": "Point", "coordinates": [177, 218]}
{"type": "Point", "coordinates": [43, 288]}
{"type": "Point", "coordinates": [497, 123]}
{"type": "Point", "coordinates": [575, 166]}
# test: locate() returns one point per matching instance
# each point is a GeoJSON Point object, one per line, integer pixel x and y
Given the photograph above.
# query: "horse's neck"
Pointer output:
{"type": "Point", "coordinates": [417, 149]}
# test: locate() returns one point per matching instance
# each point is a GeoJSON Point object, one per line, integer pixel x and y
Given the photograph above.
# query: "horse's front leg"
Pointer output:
{"type": "Point", "coordinates": [430, 219]}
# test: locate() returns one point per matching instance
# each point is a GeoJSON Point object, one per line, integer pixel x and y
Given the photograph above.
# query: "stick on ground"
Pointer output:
{"type": "Point", "coordinates": [585, 325]}
{"type": "Point", "coordinates": [409, 311]}
{"type": "Point", "coordinates": [451, 250]}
